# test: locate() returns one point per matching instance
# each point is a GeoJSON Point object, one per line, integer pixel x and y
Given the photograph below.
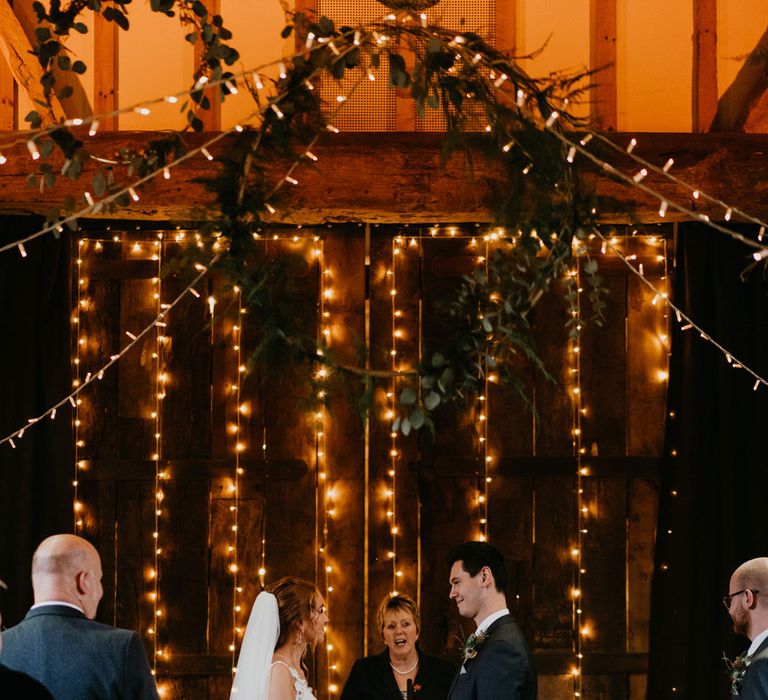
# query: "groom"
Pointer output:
{"type": "Point", "coordinates": [497, 664]}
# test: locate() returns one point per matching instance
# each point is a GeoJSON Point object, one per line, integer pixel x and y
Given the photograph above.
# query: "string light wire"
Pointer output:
{"type": "Point", "coordinates": [681, 316]}
{"type": "Point", "coordinates": [99, 374]}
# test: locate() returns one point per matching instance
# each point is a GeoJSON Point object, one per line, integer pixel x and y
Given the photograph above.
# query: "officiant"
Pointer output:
{"type": "Point", "coordinates": [402, 671]}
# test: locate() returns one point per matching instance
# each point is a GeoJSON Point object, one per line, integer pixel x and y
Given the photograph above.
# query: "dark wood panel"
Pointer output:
{"type": "Point", "coordinates": [604, 559]}
{"type": "Point", "coordinates": [604, 364]}
{"type": "Point", "coordinates": [643, 504]}
{"type": "Point", "coordinates": [555, 533]}
{"type": "Point", "coordinates": [444, 466]}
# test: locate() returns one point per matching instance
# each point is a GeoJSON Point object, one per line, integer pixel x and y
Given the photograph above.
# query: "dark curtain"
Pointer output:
{"type": "Point", "coordinates": [36, 477]}
{"type": "Point", "coordinates": [714, 487]}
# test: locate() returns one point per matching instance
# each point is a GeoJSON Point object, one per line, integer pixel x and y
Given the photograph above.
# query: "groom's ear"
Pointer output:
{"type": "Point", "coordinates": [486, 576]}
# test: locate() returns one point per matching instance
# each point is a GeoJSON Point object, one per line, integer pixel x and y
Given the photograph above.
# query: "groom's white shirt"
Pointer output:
{"type": "Point", "coordinates": [757, 641]}
{"type": "Point", "coordinates": [488, 621]}
{"type": "Point", "coordinates": [57, 602]}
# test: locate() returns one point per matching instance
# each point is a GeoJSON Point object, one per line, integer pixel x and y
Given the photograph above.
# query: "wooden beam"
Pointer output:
{"type": "Point", "coordinates": [16, 48]}
{"type": "Point", "coordinates": [106, 73]}
{"type": "Point", "coordinates": [747, 88]}
{"type": "Point", "coordinates": [398, 178]}
{"type": "Point", "coordinates": [7, 97]}
{"type": "Point", "coordinates": [704, 63]}
{"type": "Point", "coordinates": [77, 104]}
{"type": "Point", "coordinates": [506, 25]}
{"type": "Point", "coordinates": [603, 57]}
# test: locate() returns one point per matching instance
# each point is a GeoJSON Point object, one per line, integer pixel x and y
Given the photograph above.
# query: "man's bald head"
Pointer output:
{"type": "Point", "coordinates": [753, 574]}
{"type": "Point", "coordinates": [67, 568]}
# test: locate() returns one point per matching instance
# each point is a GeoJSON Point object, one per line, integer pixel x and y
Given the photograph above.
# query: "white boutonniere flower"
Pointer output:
{"type": "Point", "coordinates": [736, 670]}
{"type": "Point", "coordinates": [472, 644]}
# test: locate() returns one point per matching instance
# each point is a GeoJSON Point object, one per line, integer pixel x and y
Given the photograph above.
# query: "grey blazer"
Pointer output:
{"type": "Point", "coordinates": [77, 658]}
{"type": "Point", "coordinates": [754, 685]}
{"type": "Point", "coordinates": [502, 670]}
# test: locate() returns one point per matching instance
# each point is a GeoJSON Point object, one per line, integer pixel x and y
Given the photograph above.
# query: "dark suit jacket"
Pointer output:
{"type": "Point", "coordinates": [19, 686]}
{"type": "Point", "coordinates": [372, 678]}
{"type": "Point", "coordinates": [77, 658]}
{"type": "Point", "coordinates": [754, 684]}
{"type": "Point", "coordinates": [501, 670]}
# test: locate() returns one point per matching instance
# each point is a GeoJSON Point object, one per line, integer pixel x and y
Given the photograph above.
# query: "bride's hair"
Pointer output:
{"type": "Point", "coordinates": [296, 599]}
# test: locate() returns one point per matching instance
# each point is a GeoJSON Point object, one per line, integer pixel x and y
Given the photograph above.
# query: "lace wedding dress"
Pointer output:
{"type": "Point", "coordinates": [303, 691]}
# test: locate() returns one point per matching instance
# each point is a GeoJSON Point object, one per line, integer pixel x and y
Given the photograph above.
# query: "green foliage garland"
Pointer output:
{"type": "Point", "coordinates": [539, 196]}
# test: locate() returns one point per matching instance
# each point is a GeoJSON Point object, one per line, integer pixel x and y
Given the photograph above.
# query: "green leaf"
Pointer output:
{"type": "Point", "coordinates": [64, 62]}
{"type": "Point", "coordinates": [438, 360]}
{"type": "Point", "coordinates": [432, 400]}
{"type": "Point", "coordinates": [79, 67]}
{"type": "Point", "coordinates": [42, 34]}
{"type": "Point", "coordinates": [326, 26]}
{"type": "Point", "coordinates": [407, 396]}
{"type": "Point", "coordinates": [80, 27]}
{"type": "Point", "coordinates": [65, 92]}
{"type": "Point", "coordinates": [590, 266]}
{"type": "Point", "coordinates": [396, 425]}
{"type": "Point", "coordinates": [287, 29]}
{"type": "Point", "coordinates": [405, 426]}
{"type": "Point", "coordinates": [99, 184]}
{"type": "Point", "coordinates": [417, 418]}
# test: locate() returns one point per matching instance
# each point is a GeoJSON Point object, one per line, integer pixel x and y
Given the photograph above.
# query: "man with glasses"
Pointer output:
{"type": "Point", "coordinates": [747, 604]}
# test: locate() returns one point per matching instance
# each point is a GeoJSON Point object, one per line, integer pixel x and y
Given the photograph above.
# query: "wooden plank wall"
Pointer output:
{"type": "Point", "coordinates": [532, 499]}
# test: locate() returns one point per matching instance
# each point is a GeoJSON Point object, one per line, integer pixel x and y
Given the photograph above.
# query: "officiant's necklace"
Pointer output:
{"type": "Point", "coordinates": [406, 672]}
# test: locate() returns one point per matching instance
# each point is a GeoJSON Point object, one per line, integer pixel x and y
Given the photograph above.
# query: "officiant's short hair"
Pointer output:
{"type": "Point", "coordinates": [475, 555]}
{"type": "Point", "coordinates": [398, 601]}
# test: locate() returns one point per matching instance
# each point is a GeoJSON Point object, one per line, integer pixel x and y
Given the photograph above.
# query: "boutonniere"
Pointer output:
{"type": "Point", "coordinates": [417, 687]}
{"type": "Point", "coordinates": [472, 644]}
{"type": "Point", "coordinates": [736, 670]}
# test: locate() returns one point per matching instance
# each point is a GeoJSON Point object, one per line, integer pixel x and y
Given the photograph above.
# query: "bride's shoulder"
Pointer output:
{"type": "Point", "coordinates": [281, 682]}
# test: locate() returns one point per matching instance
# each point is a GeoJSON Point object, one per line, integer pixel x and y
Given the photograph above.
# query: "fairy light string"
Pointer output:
{"type": "Point", "coordinates": [665, 203]}
{"type": "Point", "coordinates": [79, 345]}
{"type": "Point", "coordinates": [685, 321]}
{"type": "Point", "coordinates": [666, 171]}
{"type": "Point", "coordinates": [391, 490]}
{"type": "Point", "coordinates": [580, 630]}
{"type": "Point", "coordinates": [239, 446]}
{"type": "Point", "coordinates": [483, 410]}
{"type": "Point", "coordinates": [98, 374]}
{"type": "Point", "coordinates": [160, 380]}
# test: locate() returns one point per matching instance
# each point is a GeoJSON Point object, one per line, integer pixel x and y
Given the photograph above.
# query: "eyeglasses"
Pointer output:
{"type": "Point", "coordinates": [727, 598]}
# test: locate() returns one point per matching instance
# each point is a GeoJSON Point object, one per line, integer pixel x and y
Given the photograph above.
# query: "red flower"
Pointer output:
{"type": "Point", "coordinates": [416, 688]}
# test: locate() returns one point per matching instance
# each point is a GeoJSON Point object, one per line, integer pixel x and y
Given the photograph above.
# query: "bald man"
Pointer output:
{"type": "Point", "coordinates": [59, 644]}
{"type": "Point", "coordinates": [747, 603]}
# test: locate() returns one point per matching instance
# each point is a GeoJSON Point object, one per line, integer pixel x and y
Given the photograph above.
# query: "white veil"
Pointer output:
{"type": "Point", "coordinates": [255, 660]}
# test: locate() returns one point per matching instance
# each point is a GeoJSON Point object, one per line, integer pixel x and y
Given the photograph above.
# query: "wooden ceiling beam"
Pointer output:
{"type": "Point", "coordinates": [398, 178]}
{"type": "Point", "coordinates": [16, 47]}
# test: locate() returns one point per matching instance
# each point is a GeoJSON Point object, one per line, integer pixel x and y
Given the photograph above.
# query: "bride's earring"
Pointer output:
{"type": "Point", "coordinates": [300, 638]}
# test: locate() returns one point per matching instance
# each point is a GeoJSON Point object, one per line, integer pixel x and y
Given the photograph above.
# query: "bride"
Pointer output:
{"type": "Point", "coordinates": [287, 617]}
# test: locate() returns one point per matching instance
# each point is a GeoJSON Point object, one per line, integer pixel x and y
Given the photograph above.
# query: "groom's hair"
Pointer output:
{"type": "Point", "coordinates": [475, 555]}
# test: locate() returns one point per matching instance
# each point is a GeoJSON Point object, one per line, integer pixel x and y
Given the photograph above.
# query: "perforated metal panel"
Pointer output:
{"type": "Point", "coordinates": [372, 106]}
